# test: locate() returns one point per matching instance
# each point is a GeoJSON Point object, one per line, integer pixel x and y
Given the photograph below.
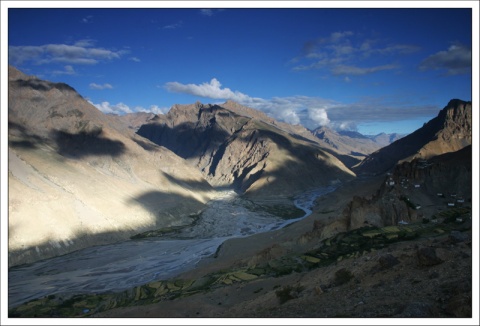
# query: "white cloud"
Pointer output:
{"type": "Point", "coordinates": [318, 116]}
{"type": "Point", "coordinates": [312, 112]}
{"type": "Point", "coordinates": [211, 90]}
{"type": "Point", "coordinates": [288, 116]}
{"type": "Point", "coordinates": [100, 87]}
{"type": "Point", "coordinates": [121, 108]}
{"type": "Point", "coordinates": [108, 108]}
{"type": "Point", "coordinates": [134, 59]}
{"type": "Point", "coordinates": [456, 60]}
{"type": "Point", "coordinates": [346, 125]}
{"type": "Point", "coordinates": [287, 109]}
{"type": "Point", "coordinates": [81, 52]}
{"type": "Point", "coordinates": [68, 70]}
{"type": "Point", "coordinates": [153, 108]}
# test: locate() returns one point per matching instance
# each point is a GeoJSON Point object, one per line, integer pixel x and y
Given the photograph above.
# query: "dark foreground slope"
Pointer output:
{"type": "Point", "coordinates": [78, 177]}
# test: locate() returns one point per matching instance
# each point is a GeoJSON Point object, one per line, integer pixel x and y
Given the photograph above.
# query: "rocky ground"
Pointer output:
{"type": "Point", "coordinates": [315, 268]}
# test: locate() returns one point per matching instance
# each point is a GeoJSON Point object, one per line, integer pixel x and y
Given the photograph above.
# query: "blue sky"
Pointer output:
{"type": "Point", "coordinates": [371, 70]}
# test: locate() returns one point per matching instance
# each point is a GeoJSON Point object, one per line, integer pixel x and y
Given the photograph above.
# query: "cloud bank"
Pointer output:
{"type": "Point", "coordinates": [100, 87]}
{"type": "Point", "coordinates": [344, 53]}
{"type": "Point", "coordinates": [121, 108]}
{"type": "Point", "coordinates": [311, 112]}
{"type": "Point", "coordinates": [456, 60]}
{"type": "Point", "coordinates": [82, 52]}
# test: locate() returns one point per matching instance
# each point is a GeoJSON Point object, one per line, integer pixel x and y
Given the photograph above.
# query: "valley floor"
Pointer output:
{"type": "Point", "coordinates": [428, 276]}
{"type": "Point", "coordinates": [396, 281]}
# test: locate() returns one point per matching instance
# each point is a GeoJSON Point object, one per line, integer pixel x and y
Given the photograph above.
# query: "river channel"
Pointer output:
{"type": "Point", "coordinates": [119, 266]}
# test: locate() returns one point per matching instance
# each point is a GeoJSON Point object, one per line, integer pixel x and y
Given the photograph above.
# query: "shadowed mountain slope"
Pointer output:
{"type": "Point", "coordinates": [450, 131]}
{"type": "Point", "coordinates": [415, 190]}
{"type": "Point", "coordinates": [78, 177]}
{"type": "Point", "coordinates": [239, 147]}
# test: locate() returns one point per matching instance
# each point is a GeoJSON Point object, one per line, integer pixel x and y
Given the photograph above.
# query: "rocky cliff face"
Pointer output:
{"type": "Point", "coordinates": [450, 131]}
{"type": "Point", "coordinates": [78, 177]}
{"type": "Point", "coordinates": [235, 146]}
{"type": "Point", "coordinates": [420, 189]}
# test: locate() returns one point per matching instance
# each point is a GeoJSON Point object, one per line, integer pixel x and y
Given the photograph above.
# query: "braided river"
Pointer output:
{"type": "Point", "coordinates": [119, 266]}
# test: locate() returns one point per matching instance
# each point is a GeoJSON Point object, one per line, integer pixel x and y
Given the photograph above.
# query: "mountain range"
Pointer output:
{"type": "Point", "coordinates": [235, 146]}
{"type": "Point", "coordinates": [351, 146]}
{"type": "Point", "coordinates": [79, 177]}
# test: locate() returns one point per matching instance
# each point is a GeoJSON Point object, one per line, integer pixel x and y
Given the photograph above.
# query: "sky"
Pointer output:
{"type": "Point", "coordinates": [370, 70]}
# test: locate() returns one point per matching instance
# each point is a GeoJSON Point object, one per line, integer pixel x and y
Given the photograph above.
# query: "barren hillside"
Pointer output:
{"type": "Point", "coordinates": [235, 146]}
{"type": "Point", "coordinates": [78, 178]}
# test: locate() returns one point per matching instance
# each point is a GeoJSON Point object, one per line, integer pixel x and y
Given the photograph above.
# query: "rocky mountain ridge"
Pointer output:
{"type": "Point", "coordinates": [450, 131]}
{"type": "Point", "coordinates": [235, 146]}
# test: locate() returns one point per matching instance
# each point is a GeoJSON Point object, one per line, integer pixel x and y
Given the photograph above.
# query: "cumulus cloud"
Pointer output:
{"type": "Point", "coordinates": [81, 52]}
{"type": "Point", "coordinates": [294, 110]}
{"type": "Point", "coordinates": [318, 116]}
{"type": "Point", "coordinates": [211, 90]}
{"type": "Point", "coordinates": [455, 61]}
{"type": "Point", "coordinates": [121, 108]}
{"type": "Point", "coordinates": [346, 125]}
{"type": "Point", "coordinates": [100, 87]}
{"type": "Point", "coordinates": [312, 112]}
{"type": "Point", "coordinates": [108, 108]}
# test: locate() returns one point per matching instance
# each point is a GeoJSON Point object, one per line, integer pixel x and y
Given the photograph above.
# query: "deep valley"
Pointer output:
{"type": "Point", "coordinates": [219, 210]}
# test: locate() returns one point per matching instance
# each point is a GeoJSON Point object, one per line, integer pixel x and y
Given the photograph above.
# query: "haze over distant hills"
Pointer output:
{"type": "Point", "coordinates": [350, 146]}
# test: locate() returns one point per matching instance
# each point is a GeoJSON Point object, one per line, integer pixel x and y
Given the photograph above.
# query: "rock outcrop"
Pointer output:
{"type": "Point", "coordinates": [450, 131]}
{"type": "Point", "coordinates": [416, 190]}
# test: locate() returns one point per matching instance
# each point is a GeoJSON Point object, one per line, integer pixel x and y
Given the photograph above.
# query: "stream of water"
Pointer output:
{"type": "Point", "coordinates": [119, 266]}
